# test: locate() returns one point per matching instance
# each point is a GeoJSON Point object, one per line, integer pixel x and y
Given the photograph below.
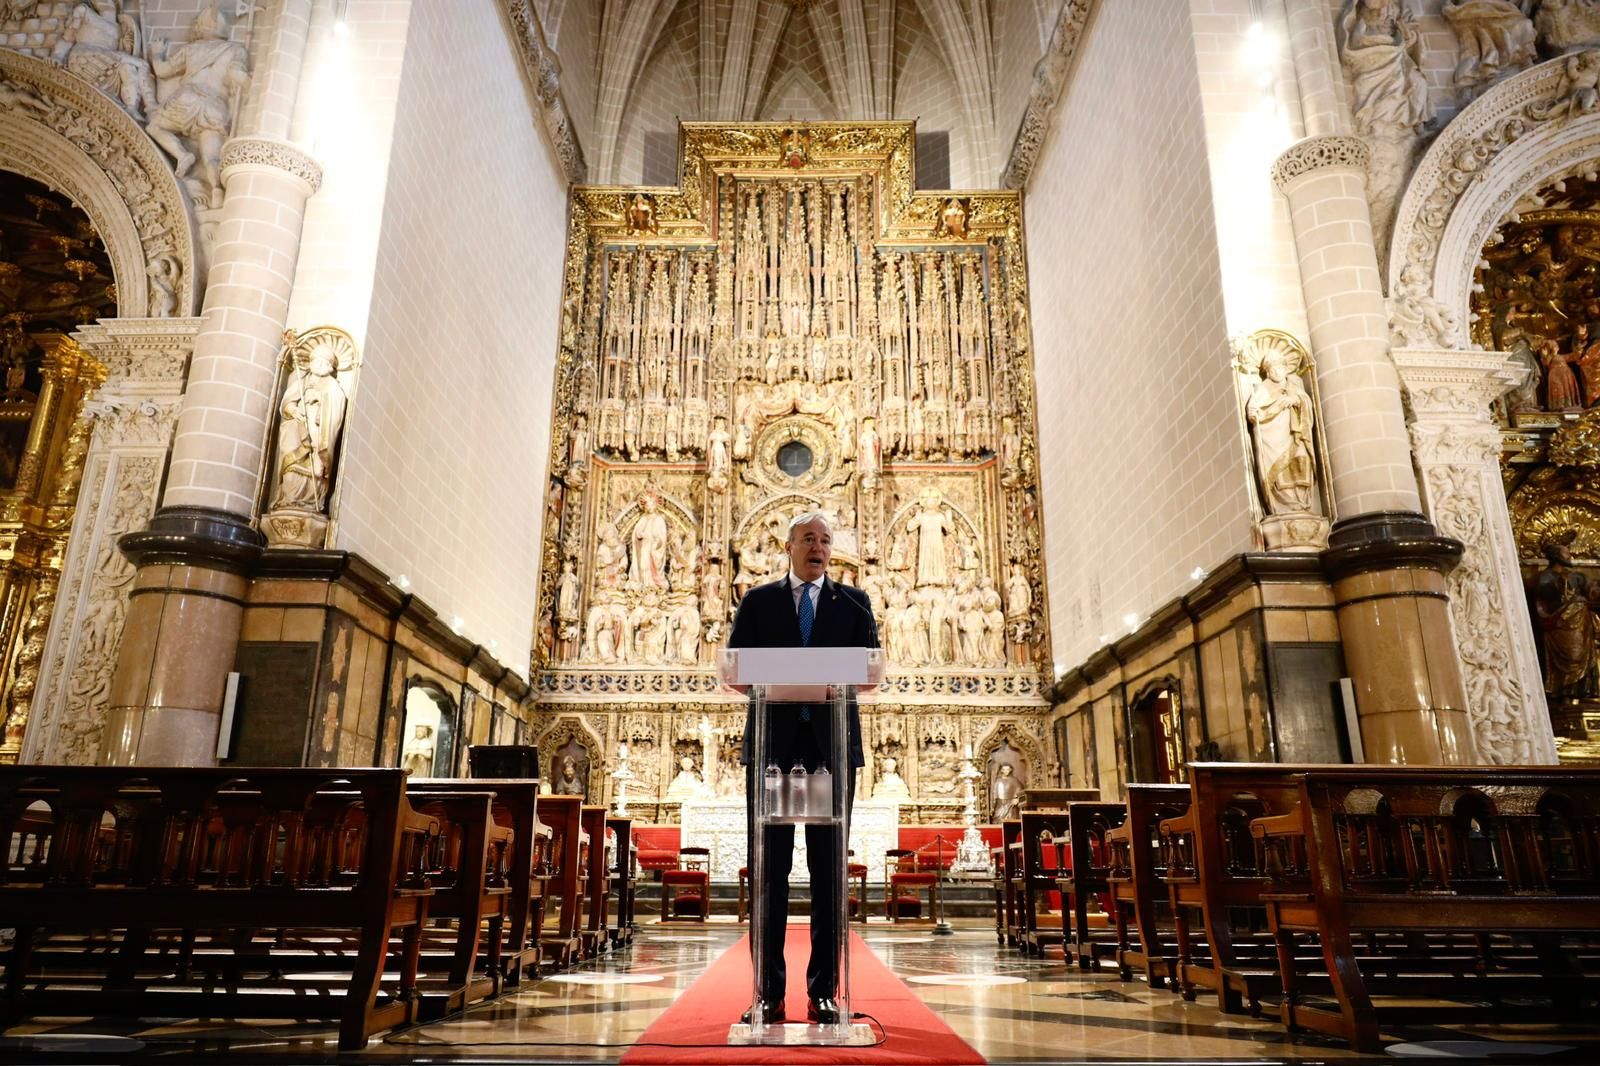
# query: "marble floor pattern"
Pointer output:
{"type": "Point", "coordinates": [1011, 1008]}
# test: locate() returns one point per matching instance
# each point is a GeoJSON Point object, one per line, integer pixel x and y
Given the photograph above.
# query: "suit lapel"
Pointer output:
{"type": "Point", "coordinates": [790, 634]}
{"type": "Point", "coordinates": [822, 625]}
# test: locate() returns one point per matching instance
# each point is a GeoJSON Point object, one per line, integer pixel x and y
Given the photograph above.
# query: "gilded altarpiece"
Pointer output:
{"type": "Point", "coordinates": [794, 328]}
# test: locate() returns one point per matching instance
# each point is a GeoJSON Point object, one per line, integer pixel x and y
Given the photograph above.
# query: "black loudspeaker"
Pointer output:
{"type": "Point", "coordinates": [503, 760]}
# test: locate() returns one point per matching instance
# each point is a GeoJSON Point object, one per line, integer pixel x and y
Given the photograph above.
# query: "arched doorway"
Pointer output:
{"type": "Point", "coordinates": [55, 275]}
{"type": "Point", "coordinates": [1156, 728]}
{"type": "Point", "coordinates": [428, 738]}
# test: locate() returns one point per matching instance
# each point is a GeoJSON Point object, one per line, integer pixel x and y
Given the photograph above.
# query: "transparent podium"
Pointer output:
{"type": "Point", "coordinates": [821, 677]}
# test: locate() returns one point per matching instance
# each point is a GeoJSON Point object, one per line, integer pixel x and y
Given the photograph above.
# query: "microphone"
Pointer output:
{"type": "Point", "coordinates": [872, 620]}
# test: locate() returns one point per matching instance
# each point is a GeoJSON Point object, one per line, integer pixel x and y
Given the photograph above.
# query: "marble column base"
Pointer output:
{"type": "Point", "coordinates": [1388, 576]}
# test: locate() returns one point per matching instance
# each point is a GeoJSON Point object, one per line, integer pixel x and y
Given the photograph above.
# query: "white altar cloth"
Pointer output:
{"type": "Point", "coordinates": [720, 826]}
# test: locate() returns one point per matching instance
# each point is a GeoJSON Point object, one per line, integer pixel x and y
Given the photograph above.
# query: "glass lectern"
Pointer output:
{"type": "Point", "coordinates": [821, 677]}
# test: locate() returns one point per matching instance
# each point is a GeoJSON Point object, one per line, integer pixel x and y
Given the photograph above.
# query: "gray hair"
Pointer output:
{"type": "Point", "coordinates": [805, 518]}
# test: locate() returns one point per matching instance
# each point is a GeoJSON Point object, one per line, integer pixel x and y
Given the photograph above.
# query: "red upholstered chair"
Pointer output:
{"type": "Point", "coordinates": [685, 895]}
{"type": "Point", "coordinates": [903, 897]}
{"type": "Point", "coordinates": [856, 879]}
{"type": "Point", "coordinates": [695, 858]}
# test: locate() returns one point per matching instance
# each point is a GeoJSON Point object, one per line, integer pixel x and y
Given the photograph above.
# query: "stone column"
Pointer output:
{"type": "Point", "coordinates": [1457, 447]}
{"type": "Point", "coordinates": [127, 424]}
{"type": "Point", "coordinates": [1386, 562]}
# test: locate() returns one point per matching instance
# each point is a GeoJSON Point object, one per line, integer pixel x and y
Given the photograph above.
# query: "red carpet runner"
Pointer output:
{"type": "Point", "coordinates": [717, 998]}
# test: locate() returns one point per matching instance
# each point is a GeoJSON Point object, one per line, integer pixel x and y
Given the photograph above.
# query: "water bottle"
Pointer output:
{"type": "Point", "coordinates": [797, 806]}
{"type": "Point", "coordinates": [772, 787]}
{"type": "Point", "coordinates": [821, 788]}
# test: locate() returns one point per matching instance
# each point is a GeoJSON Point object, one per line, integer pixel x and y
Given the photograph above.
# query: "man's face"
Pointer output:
{"type": "Point", "coordinates": [810, 547]}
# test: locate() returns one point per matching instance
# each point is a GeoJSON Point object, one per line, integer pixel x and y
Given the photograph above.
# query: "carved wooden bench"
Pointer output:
{"type": "Point", "coordinates": [1136, 866]}
{"type": "Point", "coordinates": [175, 891]}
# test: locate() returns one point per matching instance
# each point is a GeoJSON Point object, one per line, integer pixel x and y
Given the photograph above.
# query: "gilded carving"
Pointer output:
{"type": "Point", "coordinates": [794, 328]}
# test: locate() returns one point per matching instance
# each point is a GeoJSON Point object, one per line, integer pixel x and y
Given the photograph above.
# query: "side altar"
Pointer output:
{"type": "Point", "coordinates": [794, 327]}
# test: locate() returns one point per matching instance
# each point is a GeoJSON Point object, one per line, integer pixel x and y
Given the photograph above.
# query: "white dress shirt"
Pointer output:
{"type": "Point", "coordinates": [795, 584]}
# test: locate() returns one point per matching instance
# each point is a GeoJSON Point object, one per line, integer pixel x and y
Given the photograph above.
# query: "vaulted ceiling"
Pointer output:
{"type": "Point", "coordinates": [632, 69]}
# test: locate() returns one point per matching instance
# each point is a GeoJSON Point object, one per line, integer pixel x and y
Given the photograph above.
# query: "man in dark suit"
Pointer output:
{"type": "Point", "coordinates": [805, 608]}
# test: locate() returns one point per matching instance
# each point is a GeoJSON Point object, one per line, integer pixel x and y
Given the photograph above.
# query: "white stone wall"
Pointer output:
{"type": "Point", "coordinates": [354, 87]}
{"type": "Point", "coordinates": [1143, 475]}
{"type": "Point", "coordinates": [449, 432]}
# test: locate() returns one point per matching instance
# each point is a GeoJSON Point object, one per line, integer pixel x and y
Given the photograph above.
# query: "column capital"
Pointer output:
{"type": "Point", "coordinates": [1319, 153]}
{"type": "Point", "coordinates": [1452, 385]}
{"type": "Point", "coordinates": [266, 153]}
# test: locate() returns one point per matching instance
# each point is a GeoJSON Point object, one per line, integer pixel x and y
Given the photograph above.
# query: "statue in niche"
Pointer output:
{"type": "Point", "coordinates": [952, 219]}
{"type": "Point", "coordinates": [686, 785]}
{"type": "Point", "coordinates": [1010, 452]}
{"type": "Point", "coordinates": [578, 448]}
{"type": "Point", "coordinates": [891, 786]}
{"type": "Point", "coordinates": [647, 566]}
{"type": "Point", "coordinates": [199, 83]}
{"type": "Point", "coordinates": [1019, 594]}
{"type": "Point", "coordinates": [1495, 38]}
{"type": "Point", "coordinates": [417, 754]}
{"type": "Point", "coordinates": [321, 366]}
{"type": "Point", "coordinates": [102, 46]}
{"type": "Point", "coordinates": [1565, 602]}
{"type": "Point", "coordinates": [567, 597]}
{"type": "Point", "coordinates": [1382, 54]}
{"type": "Point", "coordinates": [711, 593]}
{"type": "Point", "coordinates": [641, 214]}
{"type": "Point", "coordinates": [1280, 410]}
{"type": "Point", "coordinates": [994, 627]}
{"type": "Point", "coordinates": [1560, 384]}
{"type": "Point", "coordinates": [929, 525]}
{"type": "Point", "coordinates": [570, 780]}
{"type": "Point", "coordinates": [1005, 795]}
{"type": "Point", "coordinates": [717, 465]}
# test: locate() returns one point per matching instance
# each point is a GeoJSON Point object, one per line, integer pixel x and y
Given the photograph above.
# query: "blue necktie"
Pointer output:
{"type": "Point", "coordinates": [807, 616]}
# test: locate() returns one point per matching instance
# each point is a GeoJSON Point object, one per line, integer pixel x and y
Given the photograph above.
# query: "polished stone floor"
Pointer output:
{"type": "Point", "coordinates": [1011, 1008]}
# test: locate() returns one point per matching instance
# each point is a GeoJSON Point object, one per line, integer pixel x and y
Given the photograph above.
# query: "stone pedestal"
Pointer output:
{"type": "Point", "coordinates": [1457, 449]}
{"type": "Point", "coordinates": [132, 417]}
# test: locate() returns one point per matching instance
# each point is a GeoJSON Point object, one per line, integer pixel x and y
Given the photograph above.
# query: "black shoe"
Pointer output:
{"type": "Point", "coordinates": [771, 1012]}
{"type": "Point", "coordinates": [822, 1011]}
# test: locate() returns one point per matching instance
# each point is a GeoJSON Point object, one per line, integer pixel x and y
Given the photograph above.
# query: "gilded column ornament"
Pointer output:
{"type": "Point", "coordinates": [1457, 449]}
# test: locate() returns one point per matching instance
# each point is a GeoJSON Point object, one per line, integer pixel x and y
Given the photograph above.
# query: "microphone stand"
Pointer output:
{"type": "Point", "coordinates": [940, 926]}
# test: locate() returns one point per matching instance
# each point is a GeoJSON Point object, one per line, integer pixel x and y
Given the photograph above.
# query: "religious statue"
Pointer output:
{"type": "Point", "coordinates": [891, 786]}
{"type": "Point", "coordinates": [319, 372]}
{"type": "Point", "coordinates": [1019, 594]}
{"type": "Point", "coordinates": [686, 785]}
{"type": "Point", "coordinates": [952, 219]}
{"type": "Point", "coordinates": [567, 595]}
{"type": "Point", "coordinates": [1567, 25]}
{"type": "Point", "coordinates": [1010, 451]}
{"type": "Point", "coordinates": [869, 454]}
{"type": "Point", "coordinates": [1565, 602]}
{"type": "Point", "coordinates": [994, 628]}
{"type": "Point", "coordinates": [1560, 384]}
{"type": "Point", "coordinates": [609, 557]}
{"type": "Point", "coordinates": [200, 85]}
{"type": "Point", "coordinates": [647, 567]}
{"type": "Point", "coordinates": [717, 465]}
{"type": "Point", "coordinates": [416, 756]}
{"type": "Point", "coordinates": [1416, 318]}
{"type": "Point", "coordinates": [1495, 38]}
{"type": "Point", "coordinates": [603, 632]}
{"type": "Point", "coordinates": [1525, 397]}
{"type": "Point", "coordinates": [102, 47]}
{"type": "Point", "coordinates": [641, 214]}
{"type": "Point", "coordinates": [578, 445]}
{"type": "Point", "coordinates": [1005, 794]}
{"type": "Point", "coordinates": [1587, 360]}
{"type": "Point", "coordinates": [1382, 54]}
{"type": "Point", "coordinates": [567, 782]}
{"type": "Point", "coordinates": [929, 525]}
{"type": "Point", "coordinates": [1280, 409]}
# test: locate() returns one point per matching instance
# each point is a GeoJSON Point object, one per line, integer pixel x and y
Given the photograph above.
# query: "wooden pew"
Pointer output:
{"type": "Point", "coordinates": [597, 882]}
{"type": "Point", "coordinates": [1044, 840]}
{"type": "Point", "coordinates": [623, 878]}
{"type": "Point", "coordinates": [1001, 886]}
{"type": "Point", "coordinates": [466, 863]}
{"type": "Point", "coordinates": [1427, 851]}
{"type": "Point", "coordinates": [1212, 874]}
{"type": "Point", "coordinates": [561, 946]}
{"type": "Point", "coordinates": [515, 810]}
{"type": "Point", "coordinates": [1136, 866]}
{"type": "Point", "coordinates": [184, 881]}
{"type": "Point", "coordinates": [1011, 878]}
{"type": "Point", "coordinates": [1086, 942]}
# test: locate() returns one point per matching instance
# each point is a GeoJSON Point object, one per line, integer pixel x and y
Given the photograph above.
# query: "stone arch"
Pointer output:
{"type": "Point", "coordinates": [58, 129]}
{"type": "Point", "coordinates": [1520, 135]}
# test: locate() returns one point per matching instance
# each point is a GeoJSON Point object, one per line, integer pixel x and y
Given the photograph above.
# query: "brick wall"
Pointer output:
{"type": "Point", "coordinates": [1143, 476]}
{"type": "Point", "coordinates": [462, 335]}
